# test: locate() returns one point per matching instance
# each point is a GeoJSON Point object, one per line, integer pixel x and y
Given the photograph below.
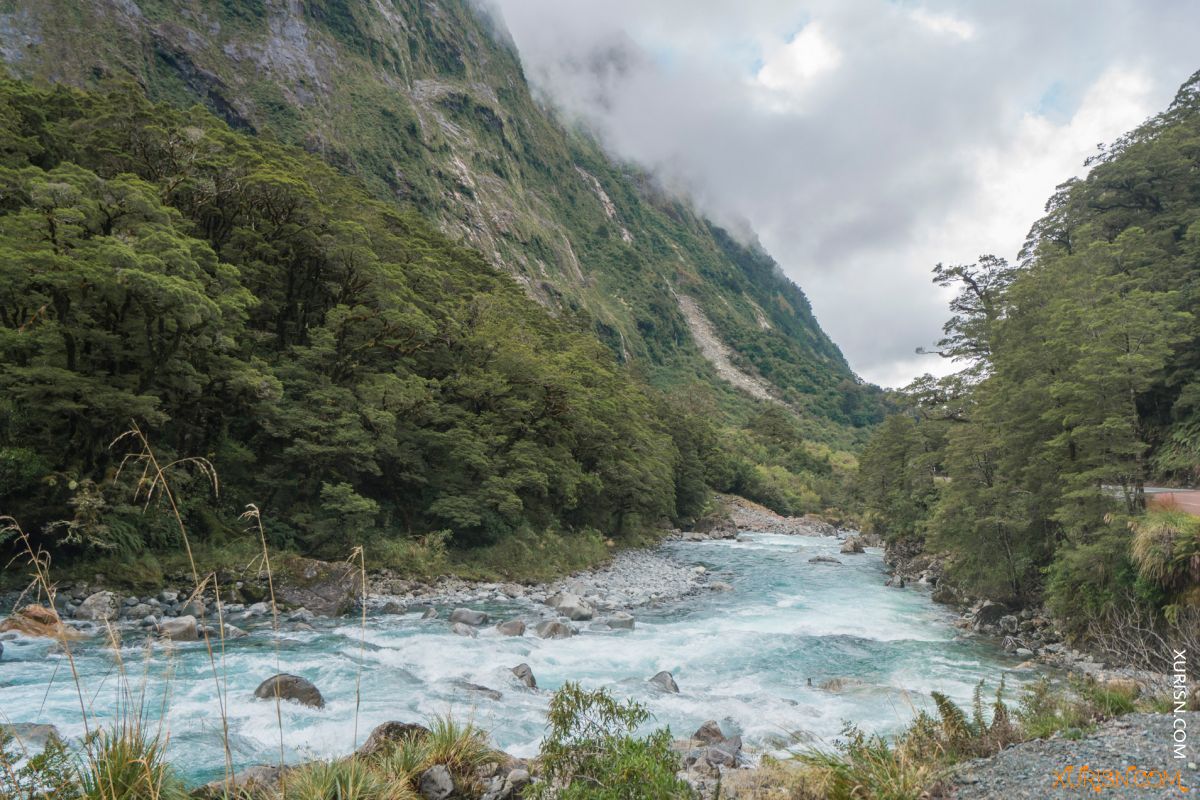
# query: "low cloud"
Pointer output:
{"type": "Point", "coordinates": [864, 140]}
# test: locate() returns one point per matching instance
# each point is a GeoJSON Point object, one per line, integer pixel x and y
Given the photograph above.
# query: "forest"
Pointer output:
{"type": "Point", "coordinates": [336, 361]}
{"type": "Point", "coordinates": [1078, 387]}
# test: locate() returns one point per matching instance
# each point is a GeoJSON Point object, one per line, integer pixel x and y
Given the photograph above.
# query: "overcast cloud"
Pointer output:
{"type": "Point", "coordinates": [863, 140]}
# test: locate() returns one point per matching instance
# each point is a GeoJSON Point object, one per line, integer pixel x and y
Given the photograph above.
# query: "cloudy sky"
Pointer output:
{"type": "Point", "coordinates": [863, 140]}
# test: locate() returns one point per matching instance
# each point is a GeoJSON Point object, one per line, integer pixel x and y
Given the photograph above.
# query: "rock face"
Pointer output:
{"type": "Point", "coordinates": [665, 682]}
{"type": "Point", "coordinates": [525, 675]}
{"type": "Point", "coordinates": [329, 590]}
{"type": "Point", "coordinates": [554, 629]}
{"type": "Point", "coordinates": [512, 627]}
{"type": "Point", "coordinates": [179, 629]}
{"type": "Point", "coordinates": [436, 783]}
{"type": "Point", "coordinates": [99, 607]}
{"type": "Point", "coordinates": [36, 620]}
{"type": "Point", "coordinates": [468, 617]}
{"type": "Point", "coordinates": [388, 733]}
{"type": "Point", "coordinates": [853, 545]}
{"type": "Point", "coordinates": [290, 687]}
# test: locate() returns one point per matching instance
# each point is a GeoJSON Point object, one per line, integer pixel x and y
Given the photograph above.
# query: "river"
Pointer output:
{"type": "Point", "coordinates": [754, 659]}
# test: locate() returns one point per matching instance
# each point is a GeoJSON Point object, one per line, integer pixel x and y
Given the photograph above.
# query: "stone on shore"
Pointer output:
{"type": "Point", "coordinates": [250, 782]}
{"type": "Point", "coordinates": [436, 783]}
{"type": "Point", "coordinates": [525, 675]}
{"type": "Point", "coordinates": [290, 687]}
{"type": "Point", "coordinates": [709, 733]}
{"type": "Point", "coordinates": [98, 607]}
{"type": "Point", "coordinates": [512, 627]}
{"type": "Point", "coordinates": [389, 733]}
{"type": "Point", "coordinates": [468, 617]}
{"type": "Point", "coordinates": [554, 629]}
{"type": "Point", "coordinates": [328, 590]}
{"type": "Point", "coordinates": [666, 682]}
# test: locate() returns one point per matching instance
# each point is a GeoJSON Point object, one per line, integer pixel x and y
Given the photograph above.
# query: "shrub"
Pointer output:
{"type": "Point", "coordinates": [590, 752]}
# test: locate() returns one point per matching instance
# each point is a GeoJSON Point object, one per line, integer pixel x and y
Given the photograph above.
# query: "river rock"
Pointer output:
{"type": "Point", "coordinates": [1009, 623]}
{"type": "Point", "coordinates": [554, 629]}
{"type": "Point", "coordinates": [392, 607]}
{"type": "Point", "coordinates": [720, 586]}
{"type": "Point", "coordinates": [139, 611]}
{"type": "Point", "coordinates": [989, 613]}
{"type": "Point", "coordinates": [620, 621]}
{"type": "Point", "coordinates": [328, 590]}
{"type": "Point", "coordinates": [486, 691]}
{"type": "Point", "coordinates": [665, 682]}
{"type": "Point", "coordinates": [386, 734]}
{"type": "Point", "coordinates": [823, 560]}
{"type": "Point", "coordinates": [463, 629]}
{"type": "Point", "coordinates": [429, 613]}
{"type": "Point", "coordinates": [468, 617]}
{"type": "Point", "coordinates": [571, 606]}
{"type": "Point", "coordinates": [512, 627]}
{"type": "Point", "coordinates": [436, 783]}
{"type": "Point", "coordinates": [195, 606]}
{"type": "Point", "coordinates": [39, 621]}
{"type": "Point", "coordinates": [290, 687]}
{"type": "Point", "coordinates": [98, 607]}
{"type": "Point", "coordinates": [852, 545]}
{"type": "Point", "coordinates": [178, 629]}
{"type": "Point", "coordinates": [525, 675]}
{"type": "Point", "coordinates": [944, 595]}
{"type": "Point", "coordinates": [709, 732]}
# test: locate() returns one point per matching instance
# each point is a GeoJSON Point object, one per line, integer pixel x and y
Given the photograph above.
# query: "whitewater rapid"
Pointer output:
{"type": "Point", "coordinates": [754, 659]}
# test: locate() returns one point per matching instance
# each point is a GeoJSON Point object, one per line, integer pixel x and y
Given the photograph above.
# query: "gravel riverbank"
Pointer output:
{"type": "Point", "coordinates": [1097, 763]}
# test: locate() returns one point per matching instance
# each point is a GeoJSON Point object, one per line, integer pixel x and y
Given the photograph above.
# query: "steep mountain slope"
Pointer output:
{"type": "Point", "coordinates": [427, 103]}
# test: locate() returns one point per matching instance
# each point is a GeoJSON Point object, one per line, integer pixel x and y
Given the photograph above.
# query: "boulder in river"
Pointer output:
{"type": "Point", "coordinates": [666, 682]}
{"type": "Point", "coordinates": [463, 629]}
{"type": "Point", "coordinates": [389, 733]}
{"type": "Point", "coordinates": [436, 783]}
{"type": "Point", "coordinates": [620, 620]}
{"type": "Point", "coordinates": [98, 607]}
{"type": "Point", "coordinates": [178, 629]}
{"type": "Point", "coordinates": [468, 617]}
{"type": "Point", "coordinates": [525, 675]}
{"type": "Point", "coordinates": [486, 691]}
{"type": "Point", "coordinates": [823, 560]}
{"type": "Point", "coordinates": [290, 687]}
{"type": "Point", "coordinates": [40, 621]}
{"type": "Point", "coordinates": [554, 629]}
{"type": "Point", "coordinates": [852, 546]}
{"type": "Point", "coordinates": [512, 627]}
{"type": "Point", "coordinates": [32, 737]}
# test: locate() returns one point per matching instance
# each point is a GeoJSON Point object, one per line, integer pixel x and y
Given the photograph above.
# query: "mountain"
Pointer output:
{"type": "Point", "coordinates": [427, 104]}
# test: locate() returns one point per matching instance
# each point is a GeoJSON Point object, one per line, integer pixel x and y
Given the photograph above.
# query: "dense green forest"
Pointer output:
{"type": "Point", "coordinates": [345, 367]}
{"type": "Point", "coordinates": [1080, 387]}
{"type": "Point", "coordinates": [428, 106]}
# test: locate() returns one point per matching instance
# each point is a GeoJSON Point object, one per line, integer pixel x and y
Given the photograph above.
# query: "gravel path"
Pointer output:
{"type": "Point", "coordinates": [1032, 770]}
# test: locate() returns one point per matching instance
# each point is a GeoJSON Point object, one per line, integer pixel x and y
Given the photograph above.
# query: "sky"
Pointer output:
{"type": "Point", "coordinates": [863, 141]}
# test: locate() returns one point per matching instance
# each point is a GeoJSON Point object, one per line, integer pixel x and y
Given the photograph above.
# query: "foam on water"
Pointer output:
{"type": "Point", "coordinates": [744, 658]}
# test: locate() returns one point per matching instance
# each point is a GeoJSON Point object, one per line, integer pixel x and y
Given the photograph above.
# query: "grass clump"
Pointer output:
{"type": "Point", "coordinates": [591, 753]}
{"type": "Point", "coordinates": [127, 762]}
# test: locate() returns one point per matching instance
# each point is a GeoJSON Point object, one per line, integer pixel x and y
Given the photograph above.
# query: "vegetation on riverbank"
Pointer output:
{"type": "Point", "coordinates": [358, 377]}
{"type": "Point", "coordinates": [1079, 388]}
